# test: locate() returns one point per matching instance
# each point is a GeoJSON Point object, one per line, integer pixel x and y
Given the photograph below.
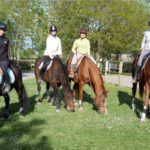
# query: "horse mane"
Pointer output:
{"type": "Point", "coordinates": [63, 66]}
{"type": "Point", "coordinates": [98, 71]}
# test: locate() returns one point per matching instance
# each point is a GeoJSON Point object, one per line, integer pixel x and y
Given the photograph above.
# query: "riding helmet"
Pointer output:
{"type": "Point", "coordinates": [83, 31]}
{"type": "Point", "coordinates": [53, 28]}
{"type": "Point", "coordinates": [3, 26]}
{"type": "Point", "coordinates": [149, 22]}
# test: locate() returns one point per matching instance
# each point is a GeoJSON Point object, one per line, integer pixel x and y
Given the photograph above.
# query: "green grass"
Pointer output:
{"type": "Point", "coordinates": [44, 129]}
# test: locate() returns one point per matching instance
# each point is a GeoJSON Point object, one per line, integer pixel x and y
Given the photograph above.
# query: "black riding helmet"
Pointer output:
{"type": "Point", "coordinates": [3, 26]}
{"type": "Point", "coordinates": [53, 28]}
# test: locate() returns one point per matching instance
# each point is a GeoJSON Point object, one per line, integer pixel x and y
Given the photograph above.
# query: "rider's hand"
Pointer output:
{"type": "Point", "coordinates": [52, 57]}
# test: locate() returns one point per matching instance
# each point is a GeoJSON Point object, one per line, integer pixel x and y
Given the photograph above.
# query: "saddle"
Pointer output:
{"type": "Point", "coordinates": [48, 65]}
{"type": "Point", "coordinates": [145, 58]}
{"type": "Point", "coordinates": [78, 62]}
{"type": "Point", "coordinates": [10, 78]}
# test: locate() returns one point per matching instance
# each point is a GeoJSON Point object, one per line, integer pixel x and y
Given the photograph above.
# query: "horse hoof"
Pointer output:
{"type": "Point", "coordinates": [142, 120]}
{"type": "Point", "coordinates": [48, 100]}
{"type": "Point", "coordinates": [80, 108]}
{"type": "Point", "coordinates": [58, 110]}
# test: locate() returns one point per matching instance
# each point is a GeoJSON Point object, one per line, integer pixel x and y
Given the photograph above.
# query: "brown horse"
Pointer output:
{"type": "Point", "coordinates": [87, 72]}
{"type": "Point", "coordinates": [144, 83]}
{"type": "Point", "coordinates": [55, 75]}
{"type": "Point", "coordinates": [20, 89]}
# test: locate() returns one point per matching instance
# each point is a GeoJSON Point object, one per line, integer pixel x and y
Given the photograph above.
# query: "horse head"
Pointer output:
{"type": "Point", "coordinates": [100, 102]}
{"type": "Point", "coordinates": [69, 101]}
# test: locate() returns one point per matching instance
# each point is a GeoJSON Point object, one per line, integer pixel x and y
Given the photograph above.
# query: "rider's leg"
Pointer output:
{"type": "Point", "coordinates": [6, 81]}
{"type": "Point", "coordinates": [46, 61]}
{"type": "Point", "coordinates": [139, 65]}
{"type": "Point", "coordinates": [73, 62]}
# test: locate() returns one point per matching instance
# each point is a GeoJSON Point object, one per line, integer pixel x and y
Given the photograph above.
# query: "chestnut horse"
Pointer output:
{"type": "Point", "coordinates": [55, 75]}
{"type": "Point", "coordinates": [20, 89]}
{"type": "Point", "coordinates": [144, 83]}
{"type": "Point", "coordinates": [87, 72]}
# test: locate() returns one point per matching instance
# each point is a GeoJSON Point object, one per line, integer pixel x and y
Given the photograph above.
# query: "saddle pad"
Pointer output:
{"type": "Point", "coordinates": [11, 76]}
{"type": "Point", "coordinates": [80, 60]}
{"type": "Point", "coordinates": [50, 64]}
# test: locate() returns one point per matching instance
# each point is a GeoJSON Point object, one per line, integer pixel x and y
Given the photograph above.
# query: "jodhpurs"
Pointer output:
{"type": "Point", "coordinates": [142, 56]}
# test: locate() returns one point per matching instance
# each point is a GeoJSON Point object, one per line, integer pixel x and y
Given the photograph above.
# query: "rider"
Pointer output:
{"type": "Point", "coordinates": [53, 48]}
{"type": "Point", "coordinates": [145, 49]}
{"type": "Point", "coordinates": [80, 47]}
{"type": "Point", "coordinates": [4, 56]}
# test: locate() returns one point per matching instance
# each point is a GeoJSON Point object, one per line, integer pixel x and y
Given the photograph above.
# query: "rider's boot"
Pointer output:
{"type": "Point", "coordinates": [136, 74]}
{"type": "Point", "coordinates": [6, 86]}
{"type": "Point", "coordinates": [71, 74]}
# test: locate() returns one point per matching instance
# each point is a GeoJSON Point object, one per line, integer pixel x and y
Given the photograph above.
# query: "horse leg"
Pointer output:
{"type": "Point", "coordinates": [22, 98]}
{"type": "Point", "coordinates": [6, 112]}
{"type": "Point", "coordinates": [149, 107]}
{"type": "Point", "coordinates": [146, 102]}
{"type": "Point", "coordinates": [56, 93]}
{"type": "Point", "coordinates": [47, 92]}
{"type": "Point", "coordinates": [39, 90]}
{"type": "Point", "coordinates": [133, 96]}
{"type": "Point", "coordinates": [81, 84]}
{"type": "Point", "coordinates": [75, 88]}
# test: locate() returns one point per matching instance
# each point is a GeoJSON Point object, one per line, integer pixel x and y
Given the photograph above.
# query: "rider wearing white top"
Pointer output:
{"type": "Point", "coordinates": [53, 48]}
{"type": "Point", "coordinates": [145, 49]}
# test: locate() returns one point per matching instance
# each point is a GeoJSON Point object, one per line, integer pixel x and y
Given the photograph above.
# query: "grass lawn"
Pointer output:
{"type": "Point", "coordinates": [44, 129]}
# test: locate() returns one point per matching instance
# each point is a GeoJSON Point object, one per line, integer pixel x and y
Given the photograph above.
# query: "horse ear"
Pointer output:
{"type": "Point", "coordinates": [107, 91]}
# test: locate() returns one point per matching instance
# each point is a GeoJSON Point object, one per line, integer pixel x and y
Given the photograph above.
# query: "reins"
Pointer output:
{"type": "Point", "coordinates": [89, 74]}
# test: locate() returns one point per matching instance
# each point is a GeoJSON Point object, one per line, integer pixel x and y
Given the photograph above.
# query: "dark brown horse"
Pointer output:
{"type": "Point", "coordinates": [88, 72]}
{"type": "Point", "coordinates": [144, 85]}
{"type": "Point", "coordinates": [54, 76]}
{"type": "Point", "coordinates": [20, 89]}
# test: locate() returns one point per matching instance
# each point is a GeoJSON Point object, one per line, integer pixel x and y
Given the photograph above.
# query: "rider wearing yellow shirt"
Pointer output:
{"type": "Point", "coordinates": [80, 47]}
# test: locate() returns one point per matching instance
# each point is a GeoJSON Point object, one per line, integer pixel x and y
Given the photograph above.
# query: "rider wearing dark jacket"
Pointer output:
{"type": "Point", "coordinates": [4, 55]}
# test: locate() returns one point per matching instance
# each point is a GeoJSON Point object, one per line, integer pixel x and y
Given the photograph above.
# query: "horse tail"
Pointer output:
{"type": "Point", "coordinates": [141, 85]}
{"type": "Point", "coordinates": [24, 98]}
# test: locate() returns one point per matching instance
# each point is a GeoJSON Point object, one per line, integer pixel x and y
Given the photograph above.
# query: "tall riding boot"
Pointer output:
{"type": "Point", "coordinates": [136, 74]}
{"type": "Point", "coordinates": [71, 74]}
{"type": "Point", "coordinates": [6, 86]}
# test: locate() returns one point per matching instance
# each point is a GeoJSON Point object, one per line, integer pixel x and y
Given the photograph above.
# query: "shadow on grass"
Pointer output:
{"type": "Point", "coordinates": [125, 98]}
{"type": "Point", "coordinates": [23, 135]}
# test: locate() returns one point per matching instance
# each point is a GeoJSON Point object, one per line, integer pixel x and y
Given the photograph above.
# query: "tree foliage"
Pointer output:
{"type": "Point", "coordinates": [113, 26]}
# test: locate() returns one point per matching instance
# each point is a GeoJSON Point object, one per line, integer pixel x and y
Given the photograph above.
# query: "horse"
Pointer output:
{"type": "Point", "coordinates": [21, 92]}
{"type": "Point", "coordinates": [88, 73]}
{"type": "Point", "coordinates": [55, 75]}
{"type": "Point", "coordinates": [144, 84]}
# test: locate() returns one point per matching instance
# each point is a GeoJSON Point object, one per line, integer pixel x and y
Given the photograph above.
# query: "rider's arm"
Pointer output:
{"type": "Point", "coordinates": [8, 50]}
{"type": "Point", "coordinates": [143, 42]}
{"type": "Point", "coordinates": [74, 47]}
{"type": "Point", "coordinates": [47, 50]}
{"type": "Point", "coordinates": [88, 47]}
{"type": "Point", "coordinates": [59, 48]}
